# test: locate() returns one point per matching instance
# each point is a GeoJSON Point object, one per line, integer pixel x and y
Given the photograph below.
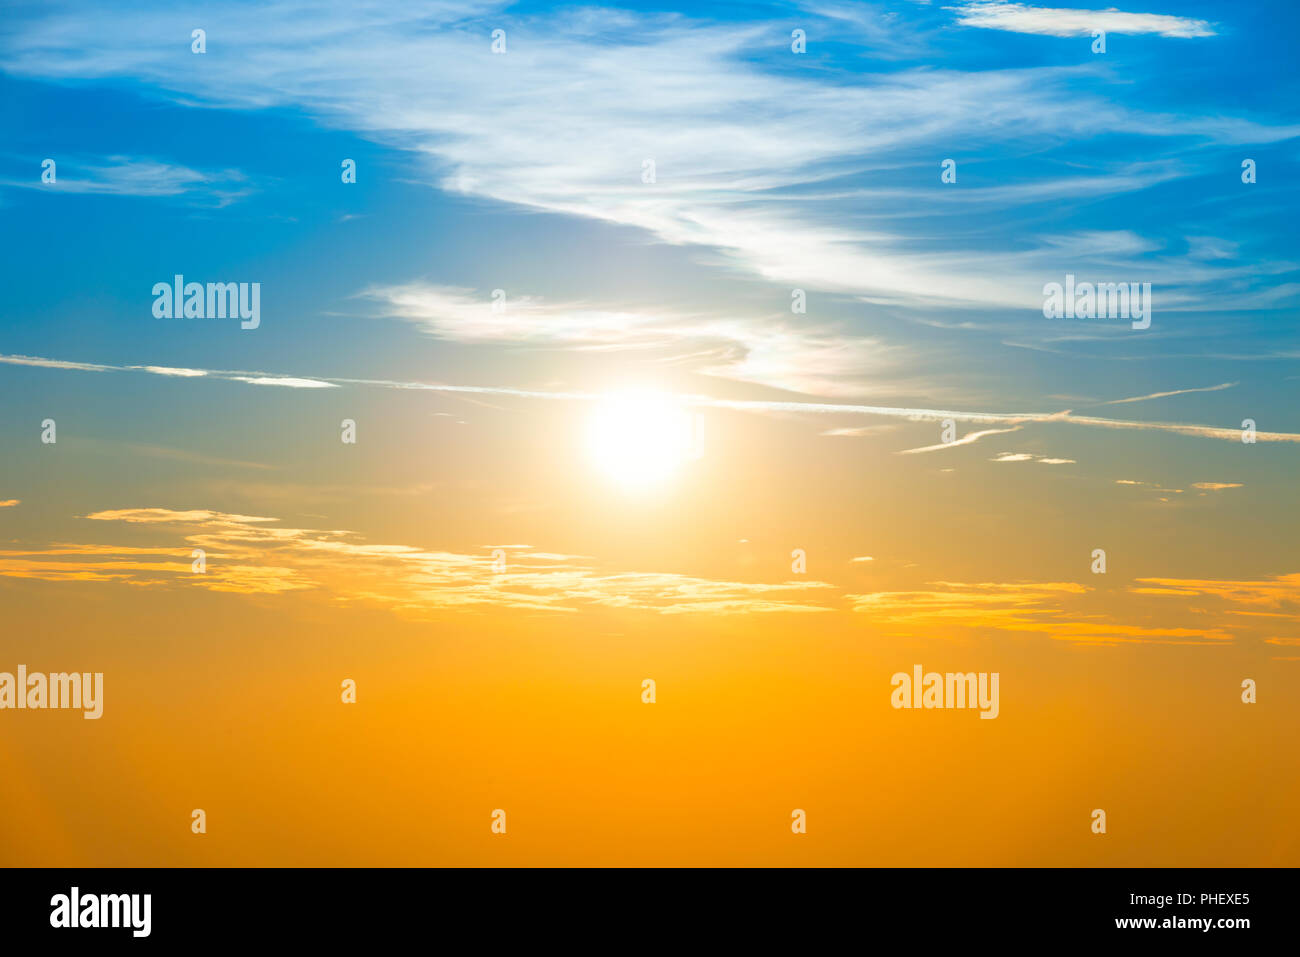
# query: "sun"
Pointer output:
{"type": "Point", "coordinates": [640, 439]}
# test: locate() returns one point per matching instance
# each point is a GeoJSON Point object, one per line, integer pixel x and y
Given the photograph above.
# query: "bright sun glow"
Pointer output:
{"type": "Point", "coordinates": [640, 439]}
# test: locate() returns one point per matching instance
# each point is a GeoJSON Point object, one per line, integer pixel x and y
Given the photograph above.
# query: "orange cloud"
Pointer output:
{"type": "Point", "coordinates": [1281, 592]}
{"type": "Point", "coordinates": [251, 554]}
{"type": "Point", "coordinates": [1015, 606]}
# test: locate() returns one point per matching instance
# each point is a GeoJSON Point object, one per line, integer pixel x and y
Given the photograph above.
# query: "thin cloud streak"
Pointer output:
{"type": "Point", "coordinates": [706, 401]}
{"type": "Point", "coordinates": [1164, 395]}
{"type": "Point", "coordinates": [1047, 608]}
{"type": "Point", "coordinates": [967, 439]}
{"type": "Point", "coordinates": [144, 177]}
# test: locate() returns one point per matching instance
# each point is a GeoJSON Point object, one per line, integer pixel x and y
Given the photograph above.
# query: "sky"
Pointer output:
{"type": "Point", "coordinates": [677, 345]}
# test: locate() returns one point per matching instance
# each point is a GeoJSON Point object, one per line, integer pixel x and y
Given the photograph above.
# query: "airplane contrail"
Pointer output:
{"type": "Point", "coordinates": [1065, 416]}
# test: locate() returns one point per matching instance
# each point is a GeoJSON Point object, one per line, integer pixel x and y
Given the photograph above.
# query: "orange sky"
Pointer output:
{"type": "Point", "coordinates": [522, 690]}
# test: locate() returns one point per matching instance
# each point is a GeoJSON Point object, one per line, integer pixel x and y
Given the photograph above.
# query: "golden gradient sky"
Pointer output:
{"type": "Point", "coordinates": [632, 313]}
{"type": "Point", "coordinates": [522, 690]}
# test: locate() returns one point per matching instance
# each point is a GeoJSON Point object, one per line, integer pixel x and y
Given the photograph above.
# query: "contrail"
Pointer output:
{"type": "Point", "coordinates": [1162, 395]}
{"type": "Point", "coordinates": [266, 379]}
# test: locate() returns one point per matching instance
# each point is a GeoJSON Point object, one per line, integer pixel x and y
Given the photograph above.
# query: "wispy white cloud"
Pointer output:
{"type": "Point", "coordinates": [1064, 22]}
{"type": "Point", "coordinates": [168, 370]}
{"type": "Point", "coordinates": [564, 121]}
{"type": "Point", "coordinates": [763, 350]}
{"type": "Point", "coordinates": [127, 176]}
{"type": "Point", "coordinates": [1030, 457]}
{"type": "Point", "coordinates": [286, 382]}
{"type": "Point", "coordinates": [861, 430]}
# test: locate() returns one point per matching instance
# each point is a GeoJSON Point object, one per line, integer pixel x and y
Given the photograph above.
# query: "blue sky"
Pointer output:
{"type": "Point", "coordinates": [774, 171]}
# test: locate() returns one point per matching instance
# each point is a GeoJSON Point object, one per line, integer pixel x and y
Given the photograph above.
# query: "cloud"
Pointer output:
{"type": "Point", "coordinates": [1046, 608]}
{"type": "Point", "coordinates": [1215, 486]}
{"type": "Point", "coordinates": [255, 555]}
{"type": "Point", "coordinates": [968, 439]}
{"type": "Point", "coordinates": [40, 363]}
{"type": "Point", "coordinates": [1030, 457]}
{"type": "Point", "coordinates": [126, 176]}
{"type": "Point", "coordinates": [1211, 247]}
{"type": "Point", "coordinates": [1154, 486]}
{"type": "Point", "coordinates": [741, 405]}
{"type": "Point", "coordinates": [286, 382]}
{"type": "Point", "coordinates": [1162, 395]}
{"type": "Point", "coordinates": [9, 502]}
{"type": "Point", "coordinates": [564, 121]}
{"type": "Point", "coordinates": [167, 370]}
{"type": "Point", "coordinates": [764, 351]}
{"type": "Point", "coordinates": [251, 378]}
{"type": "Point", "coordinates": [1277, 597]}
{"type": "Point", "coordinates": [153, 516]}
{"type": "Point", "coordinates": [862, 430]}
{"type": "Point", "coordinates": [1060, 22]}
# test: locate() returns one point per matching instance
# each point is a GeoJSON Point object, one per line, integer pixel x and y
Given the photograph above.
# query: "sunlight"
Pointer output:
{"type": "Point", "coordinates": [640, 439]}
